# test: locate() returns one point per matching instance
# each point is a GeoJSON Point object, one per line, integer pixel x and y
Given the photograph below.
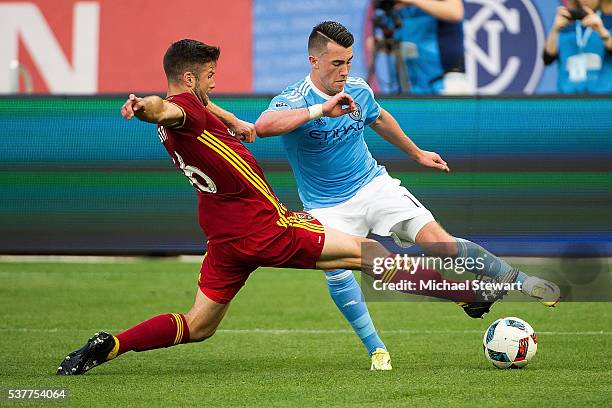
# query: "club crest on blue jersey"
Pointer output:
{"type": "Point", "coordinates": [357, 113]}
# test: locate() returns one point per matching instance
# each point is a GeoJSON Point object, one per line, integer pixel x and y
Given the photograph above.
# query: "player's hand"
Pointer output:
{"type": "Point", "coordinates": [562, 18]}
{"type": "Point", "coordinates": [340, 104]}
{"type": "Point", "coordinates": [433, 160]}
{"type": "Point", "coordinates": [133, 104]}
{"type": "Point", "coordinates": [593, 21]}
{"type": "Point", "coordinates": [243, 130]}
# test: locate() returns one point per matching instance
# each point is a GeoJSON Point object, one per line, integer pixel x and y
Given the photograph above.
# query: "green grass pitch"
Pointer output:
{"type": "Point", "coordinates": [283, 343]}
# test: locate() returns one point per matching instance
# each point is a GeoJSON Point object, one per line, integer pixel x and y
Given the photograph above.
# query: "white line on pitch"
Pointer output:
{"type": "Point", "coordinates": [315, 331]}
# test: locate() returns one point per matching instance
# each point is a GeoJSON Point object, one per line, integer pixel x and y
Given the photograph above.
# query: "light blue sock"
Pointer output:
{"type": "Point", "coordinates": [493, 266]}
{"type": "Point", "coordinates": [347, 296]}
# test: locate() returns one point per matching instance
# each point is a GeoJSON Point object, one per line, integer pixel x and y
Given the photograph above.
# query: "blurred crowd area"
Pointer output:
{"type": "Point", "coordinates": [419, 47]}
{"type": "Point", "coordinates": [402, 47]}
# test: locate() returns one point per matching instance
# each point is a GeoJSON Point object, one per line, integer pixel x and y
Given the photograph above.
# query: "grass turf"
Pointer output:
{"type": "Point", "coordinates": [284, 343]}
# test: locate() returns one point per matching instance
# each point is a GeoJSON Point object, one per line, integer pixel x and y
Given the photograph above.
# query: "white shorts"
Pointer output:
{"type": "Point", "coordinates": [376, 208]}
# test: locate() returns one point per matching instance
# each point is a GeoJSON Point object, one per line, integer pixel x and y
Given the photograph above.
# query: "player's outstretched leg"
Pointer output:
{"type": "Point", "coordinates": [473, 302]}
{"type": "Point", "coordinates": [545, 291]}
{"type": "Point", "coordinates": [438, 242]}
{"type": "Point", "coordinates": [346, 294]}
{"type": "Point", "coordinates": [160, 331]}
{"type": "Point", "coordinates": [343, 250]}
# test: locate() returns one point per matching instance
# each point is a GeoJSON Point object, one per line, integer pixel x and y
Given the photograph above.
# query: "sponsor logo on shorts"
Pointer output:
{"type": "Point", "coordinates": [304, 216]}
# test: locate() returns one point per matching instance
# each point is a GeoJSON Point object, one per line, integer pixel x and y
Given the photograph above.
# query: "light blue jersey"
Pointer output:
{"type": "Point", "coordinates": [329, 156]}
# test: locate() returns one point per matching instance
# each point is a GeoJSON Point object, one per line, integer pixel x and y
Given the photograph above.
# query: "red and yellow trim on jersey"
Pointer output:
{"type": "Point", "coordinates": [236, 161]}
{"type": "Point", "coordinates": [226, 151]}
{"type": "Point", "coordinates": [179, 328]}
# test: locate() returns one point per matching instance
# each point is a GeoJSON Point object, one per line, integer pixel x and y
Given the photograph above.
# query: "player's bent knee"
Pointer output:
{"type": "Point", "coordinates": [204, 317]}
{"type": "Point", "coordinates": [202, 334]}
{"type": "Point", "coordinates": [436, 240]}
{"type": "Point", "coordinates": [200, 330]}
{"type": "Point", "coordinates": [442, 248]}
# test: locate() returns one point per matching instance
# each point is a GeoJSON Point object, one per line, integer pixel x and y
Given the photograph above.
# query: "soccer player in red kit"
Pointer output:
{"type": "Point", "coordinates": [246, 225]}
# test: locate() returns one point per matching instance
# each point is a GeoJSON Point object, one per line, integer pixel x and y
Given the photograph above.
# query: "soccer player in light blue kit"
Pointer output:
{"type": "Point", "coordinates": [342, 185]}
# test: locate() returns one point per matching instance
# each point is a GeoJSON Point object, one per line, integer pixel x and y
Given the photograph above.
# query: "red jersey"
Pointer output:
{"type": "Point", "coordinates": [234, 198]}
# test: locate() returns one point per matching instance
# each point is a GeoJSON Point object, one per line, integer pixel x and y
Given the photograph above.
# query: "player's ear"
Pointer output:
{"type": "Point", "coordinates": [189, 79]}
{"type": "Point", "coordinates": [314, 61]}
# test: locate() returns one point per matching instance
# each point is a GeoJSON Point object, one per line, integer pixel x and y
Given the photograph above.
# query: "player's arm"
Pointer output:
{"type": "Point", "coordinates": [388, 128]}
{"type": "Point", "coordinates": [242, 130]}
{"type": "Point", "coordinates": [153, 109]}
{"type": "Point", "coordinates": [274, 123]}
{"type": "Point", "coordinates": [448, 10]}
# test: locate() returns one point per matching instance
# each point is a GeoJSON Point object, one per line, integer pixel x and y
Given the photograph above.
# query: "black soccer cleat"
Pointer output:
{"type": "Point", "coordinates": [476, 310]}
{"type": "Point", "coordinates": [93, 353]}
{"type": "Point", "coordinates": [485, 299]}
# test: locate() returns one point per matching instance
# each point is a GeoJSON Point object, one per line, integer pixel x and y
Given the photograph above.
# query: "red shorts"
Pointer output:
{"type": "Point", "coordinates": [227, 265]}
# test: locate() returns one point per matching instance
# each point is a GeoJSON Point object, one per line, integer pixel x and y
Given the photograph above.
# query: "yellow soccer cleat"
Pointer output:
{"type": "Point", "coordinates": [381, 360]}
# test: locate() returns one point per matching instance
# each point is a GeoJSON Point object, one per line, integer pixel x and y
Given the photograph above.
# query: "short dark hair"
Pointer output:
{"type": "Point", "coordinates": [185, 55]}
{"type": "Point", "coordinates": [328, 31]}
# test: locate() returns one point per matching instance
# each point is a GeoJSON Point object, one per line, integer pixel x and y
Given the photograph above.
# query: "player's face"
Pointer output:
{"type": "Point", "coordinates": [205, 82]}
{"type": "Point", "coordinates": [332, 67]}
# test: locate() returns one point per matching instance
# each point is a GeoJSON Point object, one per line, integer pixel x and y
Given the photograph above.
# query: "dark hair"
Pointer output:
{"type": "Point", "coordinates": [328, 31]}
{"type": "Point", "coordinates": [185, 55]}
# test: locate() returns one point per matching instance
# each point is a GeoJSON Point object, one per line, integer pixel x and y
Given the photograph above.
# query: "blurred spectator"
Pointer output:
{"type": "Point", "coordinates": [580, 40]}
{"type": "Point", "coordinates": [387, 65]}
{"type": "Point", "coordinates": [431, 43]}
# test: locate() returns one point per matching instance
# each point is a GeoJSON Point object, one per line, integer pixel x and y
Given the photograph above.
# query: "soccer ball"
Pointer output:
{"type": "Point", "coordinates": [510, 343]}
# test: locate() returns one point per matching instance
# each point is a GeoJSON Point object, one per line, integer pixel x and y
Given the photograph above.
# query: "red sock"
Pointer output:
{"type": "Point", "coordinates": [428, 275]}
{"type": "Point", "coordinates": [160, 331]}
{"type": "Point", "coordinates": [422, 275]}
